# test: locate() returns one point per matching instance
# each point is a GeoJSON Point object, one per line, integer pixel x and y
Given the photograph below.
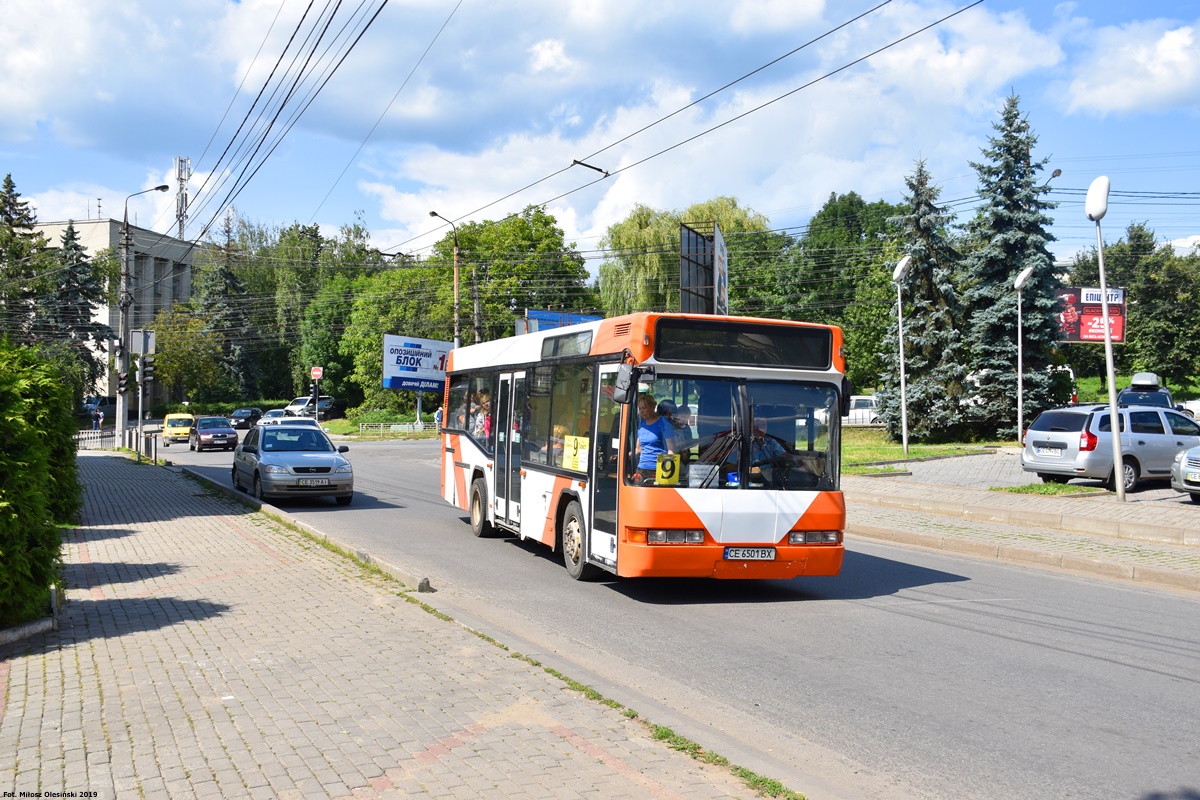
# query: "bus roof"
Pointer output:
{"type": "Point", "coordinates": [634, 333]}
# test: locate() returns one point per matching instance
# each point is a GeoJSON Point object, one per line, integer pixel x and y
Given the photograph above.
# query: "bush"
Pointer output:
{"type": "Point", "coordinates": [38, 481]}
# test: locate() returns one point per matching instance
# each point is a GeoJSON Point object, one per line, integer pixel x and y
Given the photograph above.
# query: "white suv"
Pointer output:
{"type": "Point", "coordinates": [1075, 442]}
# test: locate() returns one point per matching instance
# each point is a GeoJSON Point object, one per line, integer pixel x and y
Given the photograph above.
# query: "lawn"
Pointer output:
{"type": "Point", "coordinates": [1090, 391]}
{"type": "Point", "coordinates": [867, 445]}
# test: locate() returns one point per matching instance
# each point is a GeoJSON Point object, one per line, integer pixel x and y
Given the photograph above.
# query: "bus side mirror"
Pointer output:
{"type": "Point", "coordinates": [847, 390]}
{"type": "Point", "coordinates": [625, 386]}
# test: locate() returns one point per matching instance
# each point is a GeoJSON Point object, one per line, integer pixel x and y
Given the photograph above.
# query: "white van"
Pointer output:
{"type": "Point", "coordinates": [297, 406]}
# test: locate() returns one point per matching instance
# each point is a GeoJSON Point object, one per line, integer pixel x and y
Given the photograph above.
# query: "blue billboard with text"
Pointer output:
{"type": "Point", "coordinates": [417, 364]}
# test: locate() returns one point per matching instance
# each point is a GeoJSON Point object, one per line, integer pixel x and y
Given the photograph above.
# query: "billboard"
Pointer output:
{"type": "Point", "coordinates": [703, 269]}
{"type": "Point", "coordinates": [1081, 318]}
{"type": "Point", "coordinates": [411, 363]}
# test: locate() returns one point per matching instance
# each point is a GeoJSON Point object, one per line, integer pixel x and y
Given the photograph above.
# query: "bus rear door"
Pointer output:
{"type": "Point", "coordinates": [509, 440]}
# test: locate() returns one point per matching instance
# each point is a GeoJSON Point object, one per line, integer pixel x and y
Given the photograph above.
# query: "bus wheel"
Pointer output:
{"type": "Point", "coordinates": [479, 524]}
{"type": "Point", "coordinates": [574, 554]}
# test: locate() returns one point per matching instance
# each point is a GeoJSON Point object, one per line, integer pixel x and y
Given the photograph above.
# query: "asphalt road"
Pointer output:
{"type": "Point", "coordinates": [914, 674]}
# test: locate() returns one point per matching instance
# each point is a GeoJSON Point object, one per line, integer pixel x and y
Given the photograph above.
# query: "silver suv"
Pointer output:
{"type": "Point", "coordinates": [1066, 443]}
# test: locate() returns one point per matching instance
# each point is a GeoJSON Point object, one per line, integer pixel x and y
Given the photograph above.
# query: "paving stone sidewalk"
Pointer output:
{"type": "Point", "coordinates": [207, 652]}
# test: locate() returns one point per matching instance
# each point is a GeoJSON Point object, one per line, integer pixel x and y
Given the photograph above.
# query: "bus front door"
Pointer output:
{"type": "Point", "coordinates": [602, 544]}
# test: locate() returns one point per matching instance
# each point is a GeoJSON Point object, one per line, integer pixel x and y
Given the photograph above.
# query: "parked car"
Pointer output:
{"type": "Point", "coordinates": [245, 417]}
{"type": "Point", "coordinates": [177, 428]}
{"type": "Point", "coordinates": [864, 410]}
{"type": "Point", "coordinates": [304, 422]}
{"type": "Point", "coordinates": [303, 406]}
{"type": "Point", "coordinates": [1074, 442]}
{"type": "Point", "coordinates": [292, 460]}
{"type": "Point", "coordinates": [211, 433]}
{"type": "Point", "coordinates": [325, 405]}
{"type": "Point", "coordinates": [1185, 473]}
{"type": "Point", "coordinates": [294, 408]}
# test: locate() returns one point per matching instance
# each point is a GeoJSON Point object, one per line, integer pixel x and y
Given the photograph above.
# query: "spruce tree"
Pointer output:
{"type": "Point", "coordinates": [22, 257]}
{"type": "Point", "coordinates": [933, 349]}
{"type": "Point", "coordinates": [1009, 234]}
{"type": "Point", "coordinates": [66, 310]}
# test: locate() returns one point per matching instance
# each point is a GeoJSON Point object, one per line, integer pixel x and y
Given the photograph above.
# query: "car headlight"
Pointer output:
{"type": "Point", "coordinates": [1180, 456]}
{"type": "Point", "coordinates": [344, 468]}
{"type": "Point", "coordinates": [275, 469]}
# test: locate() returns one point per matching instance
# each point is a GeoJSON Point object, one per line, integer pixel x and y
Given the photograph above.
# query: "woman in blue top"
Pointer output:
{"type": "Point", "coordinates": [655, 434]}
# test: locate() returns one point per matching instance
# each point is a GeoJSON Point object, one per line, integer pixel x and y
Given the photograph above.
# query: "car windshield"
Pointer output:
{"type": "Point", "coordinates": [205, 424]}
{"type": "Point", "coordinates": [737, 433]}
{"type": "Point", "coordinates": [282, 439]}
{"type": "Point", "coordinates": [242, 412]}
{"type": "Point", "coordinates": [179, 423]}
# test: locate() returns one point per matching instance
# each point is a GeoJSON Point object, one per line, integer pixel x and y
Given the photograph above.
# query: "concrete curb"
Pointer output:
{"type": "Point", "coordinates": [10, 635]}
{"type": "Point", "coordinates": [402, 574]}
{"type": "Point", "coordinates": [1033, 557]}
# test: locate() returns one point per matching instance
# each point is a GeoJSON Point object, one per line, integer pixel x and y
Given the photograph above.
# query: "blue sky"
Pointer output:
{"type": "Point", "coordinates": [454, 106]}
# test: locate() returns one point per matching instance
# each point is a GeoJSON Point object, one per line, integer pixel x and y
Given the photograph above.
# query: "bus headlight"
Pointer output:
{"type": "Point", "coordinates": [814, 537]}
{"type": "Point", "coordinates": [663, 536]}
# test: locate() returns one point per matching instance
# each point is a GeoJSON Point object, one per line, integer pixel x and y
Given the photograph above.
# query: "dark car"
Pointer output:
{"type": "Point", "coordinates": [245, 417]}
{"type": "Point", "coordinates": [212, 433]}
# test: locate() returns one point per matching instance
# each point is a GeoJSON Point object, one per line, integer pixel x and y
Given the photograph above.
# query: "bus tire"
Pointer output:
{"type": "Point", "coordinates": [478, 508]}
{"type": "Point", "coordinates": [574, 544]}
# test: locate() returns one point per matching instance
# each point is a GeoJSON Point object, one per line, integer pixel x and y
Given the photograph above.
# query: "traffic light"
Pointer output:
{"type": "Point", "coordinates": [146, 373]}
{"type": "Point", "coordinates": [122, 382]}
{"type": "Point", "coordinates": [312, 390]}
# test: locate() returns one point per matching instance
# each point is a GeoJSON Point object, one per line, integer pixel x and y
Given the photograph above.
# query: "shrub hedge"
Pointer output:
{"type": "Point", "coordinates": [39, 483]}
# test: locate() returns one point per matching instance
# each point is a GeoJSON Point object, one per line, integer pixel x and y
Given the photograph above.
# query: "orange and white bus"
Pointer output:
{"type": "Point", "coordinates": [543, 438]}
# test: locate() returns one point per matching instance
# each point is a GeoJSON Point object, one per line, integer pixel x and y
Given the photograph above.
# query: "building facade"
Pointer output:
{"type": "Point", "coordinates": [160, 276]}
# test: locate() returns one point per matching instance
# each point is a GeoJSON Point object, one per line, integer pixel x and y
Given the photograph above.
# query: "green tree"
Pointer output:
{"type": "Point", "coordinates": [933, 360]}
{"type": "Point", "coordinates": [843, 239]}
{"type": "Point", "coordinates": [189, 356]}
{"type": "Point", "coordinates": [321, 337]}
{"type": "Point", "coordinates": [67, 309]}
{"type": "Point", "coordinates": [23, 259]}
{"type": "Point", "coordinates": [1125, 262]}
{"type": "Point", "coordinates": [217, 290]}
{"type": "Point", "coordinates": [510, 265]}
{"type": "Point", "coordinates": [640, 271]}
{"type": "Point", "coordinates": [396, 302]}
{"type": "Point", "coordinates": [1008, 235]}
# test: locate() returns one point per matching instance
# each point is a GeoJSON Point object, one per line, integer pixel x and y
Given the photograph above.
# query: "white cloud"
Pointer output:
{"type": "Point", "coordinates": [1186, 245]}
{"type": "Point", "coordinates": [549, 55]}
{"type": "Point", "coordinates": [766, 15]}
{"type": "Point", "coordinates": [1137, 67]}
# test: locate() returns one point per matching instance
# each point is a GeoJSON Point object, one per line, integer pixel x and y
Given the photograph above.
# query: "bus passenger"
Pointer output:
{"type": "Point", "coordinates": [655, 435]}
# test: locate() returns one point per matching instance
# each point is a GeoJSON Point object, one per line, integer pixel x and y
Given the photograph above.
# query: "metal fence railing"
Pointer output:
{"type": "Point", "coordinates": [96, 440]}
{"type": "Point", "coordinates": [385, 429]}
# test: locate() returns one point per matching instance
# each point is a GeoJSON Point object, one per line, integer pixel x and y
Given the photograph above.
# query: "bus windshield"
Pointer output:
{"type": "Point", "coordinates": [734, 433]}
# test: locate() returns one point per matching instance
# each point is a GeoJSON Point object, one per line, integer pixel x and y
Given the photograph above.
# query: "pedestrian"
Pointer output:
{"type": "Point", "coordinates": [99, 419]}
{"type": "Point", "coordinates": [95, 419]}
{"type": "Point", "coordinates": [437, 418]}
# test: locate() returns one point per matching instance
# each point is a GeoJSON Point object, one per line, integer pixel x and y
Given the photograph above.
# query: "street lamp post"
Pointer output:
{"type": "Point", "coordinates": [897, 276]}
{"type": "Point", "coordinates": [457, 329]}
{"type": "Point", "coordinates": [124, 301]}
{"type": "Point", "coordinates": [1019, 284]}
{"type": "Point", "coordinates": [1096, 207]}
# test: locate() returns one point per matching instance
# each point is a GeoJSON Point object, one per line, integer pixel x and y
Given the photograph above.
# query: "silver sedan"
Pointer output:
{"type": "Point", "coordinates": [292, 461]}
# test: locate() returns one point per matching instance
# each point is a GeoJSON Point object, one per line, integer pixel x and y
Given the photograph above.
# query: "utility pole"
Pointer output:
{"type": "Point", "coordinates": [124, 301]}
